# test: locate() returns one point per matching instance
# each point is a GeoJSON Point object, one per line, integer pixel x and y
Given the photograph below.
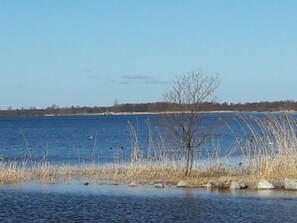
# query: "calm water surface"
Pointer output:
{"type": "Point", "coordinates": [106, 203]}
{"type": "Point", "coordinates": [64, 139]}
{"type": "Point", "coordinates": [73, 139]}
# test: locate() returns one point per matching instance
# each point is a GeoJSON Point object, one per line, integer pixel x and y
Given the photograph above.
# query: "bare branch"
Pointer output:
{"type": "Point", "coordinates": [185, 97]}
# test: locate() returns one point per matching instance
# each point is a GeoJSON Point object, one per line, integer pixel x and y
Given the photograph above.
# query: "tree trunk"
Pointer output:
{"type": "Point", "coordinates": [191, 162]}
{"type": "Point", "coordinates": [188, 163]}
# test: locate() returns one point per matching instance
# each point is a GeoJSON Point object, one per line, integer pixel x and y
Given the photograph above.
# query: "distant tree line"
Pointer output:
{"type": "Point", "coordinates": [151, 108]}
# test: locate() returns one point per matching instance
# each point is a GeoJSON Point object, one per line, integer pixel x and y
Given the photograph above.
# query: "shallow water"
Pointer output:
{"type": "Point", "coordinates": [74, 202]}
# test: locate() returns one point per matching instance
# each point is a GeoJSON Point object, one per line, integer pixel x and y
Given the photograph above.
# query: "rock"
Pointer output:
{"type": "Point", "coordinates": [221, 185]}
{"type": "Point", "coordinates": [235, 185]}
{"type": "Point", "coordinates": [181, 183]}
{"type": "Point", "coordinates": [242, 185]}
{"type": "Point", "coordinates": [278, 184]}
{"type": "Point", "coordinates": [133, 184]}
{"type": "Point", "coordinates": [265, 185]}
{"type": "Point", "coordinates": [159, 185]}
{"type": "Point", "coordinates": [224, 184]}
{"type": "Point", "coordinates": [210, 184]}
{"type": "Point", "coordinates": [290, 184]}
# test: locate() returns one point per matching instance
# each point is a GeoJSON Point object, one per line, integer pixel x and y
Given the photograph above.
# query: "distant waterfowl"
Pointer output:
{"type": "Point", "coordinates": [92, 137]}
{"type": "Point", "coordinates": [121, 147]}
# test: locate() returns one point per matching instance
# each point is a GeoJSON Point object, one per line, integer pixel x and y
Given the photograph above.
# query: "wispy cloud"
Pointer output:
{"type": "Point", "coordinates": [135, 77]}
{"type": "Point", "coordinates": [140, 79]}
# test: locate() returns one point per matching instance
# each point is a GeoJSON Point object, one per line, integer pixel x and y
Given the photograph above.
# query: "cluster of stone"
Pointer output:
{"type": "Point", "coordinates": [288, 184]}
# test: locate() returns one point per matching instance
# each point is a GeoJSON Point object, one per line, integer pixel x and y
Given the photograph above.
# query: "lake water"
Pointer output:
{"type": "Point", "coordinates": [72, 140]}
{"type": "Point", "coordinates": [33, 202]}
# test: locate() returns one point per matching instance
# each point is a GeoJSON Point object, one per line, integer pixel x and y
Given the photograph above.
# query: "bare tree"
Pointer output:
{"type": "Point", "coordinates": [185, 97]}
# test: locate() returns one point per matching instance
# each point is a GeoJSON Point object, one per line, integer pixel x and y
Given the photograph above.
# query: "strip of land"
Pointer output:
{"type": "Point", "coordinates": [150, 108]}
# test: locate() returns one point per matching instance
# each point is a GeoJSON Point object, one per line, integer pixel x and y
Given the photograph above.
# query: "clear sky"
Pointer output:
{"type": "Point", "coordinates": [70, 52]}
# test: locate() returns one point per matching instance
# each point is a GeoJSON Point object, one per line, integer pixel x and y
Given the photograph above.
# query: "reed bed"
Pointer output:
{"type": "Point", "coordinates": [141, 171]}
{"type": "Point", "coordinates": [11, 172]}
{"type": "Point", "coordinates": [271, 150]}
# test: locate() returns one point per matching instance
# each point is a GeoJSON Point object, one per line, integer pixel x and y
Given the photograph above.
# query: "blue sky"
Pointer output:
{"type": "Point", "coordinates": [95, 52]}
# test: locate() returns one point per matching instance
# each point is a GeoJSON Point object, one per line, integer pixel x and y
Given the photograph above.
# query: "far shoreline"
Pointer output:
{"type": "Point", "coordinates": [152, 113]}
{"type": "Point", "coordinates": [151, 108]}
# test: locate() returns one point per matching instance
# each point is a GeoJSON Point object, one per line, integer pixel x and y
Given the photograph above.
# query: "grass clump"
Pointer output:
{"type": "Point", "coordinates": [11, 171]}
{"type": "Point", "coordinates": [269, 146]}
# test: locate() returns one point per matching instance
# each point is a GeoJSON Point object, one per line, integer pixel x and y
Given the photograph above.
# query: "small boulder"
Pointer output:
{"type": "Point", "coordinates": [181, 183]}
{"type": "Point", "coordinates": [210, 185]}
{"type": "Point", "coordinates": [265, 185]}
{"type": "Point", "coordinates": [290, 184]}
{"type": "Point", "coordinates": [278, 184]}
{"type": "Point", "coordinates": [235, 185]}
{"type": "Point", "coordinates": [159, 185]}
{"type": "Point", "coordinates": [133, 184]}
{"type": "Point", "coordinates": [242, 185]}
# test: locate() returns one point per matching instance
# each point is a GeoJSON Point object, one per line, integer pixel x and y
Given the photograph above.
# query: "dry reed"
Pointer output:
{"type": "Point", "coordinates": [269, 146]}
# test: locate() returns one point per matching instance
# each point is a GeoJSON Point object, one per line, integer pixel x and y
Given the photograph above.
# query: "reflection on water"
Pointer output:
{"type": "Point", "coordinates": [259, 193]}
{"type": "Point", "coordinates": [76, 202]}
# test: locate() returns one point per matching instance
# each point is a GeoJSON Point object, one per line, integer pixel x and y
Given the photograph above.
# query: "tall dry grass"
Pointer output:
{"type": "Point", "coordinates": [11, 171]}
{"type": "Point", "coordinates": [269, 146]}
{"type": "Point", "coordinates": [162, 160]}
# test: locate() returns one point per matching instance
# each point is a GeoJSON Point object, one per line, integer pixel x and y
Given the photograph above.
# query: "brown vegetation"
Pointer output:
{"type": "Point", "coordinates": [271, 152]}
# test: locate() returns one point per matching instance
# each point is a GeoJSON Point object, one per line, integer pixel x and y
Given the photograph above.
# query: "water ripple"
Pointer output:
{"type": "Point", "coordinates": [30, 206]}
